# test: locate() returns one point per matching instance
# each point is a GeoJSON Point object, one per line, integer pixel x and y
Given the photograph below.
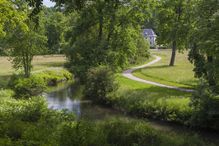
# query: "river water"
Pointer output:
{"type": "Point", "coordinates": [69, 98]}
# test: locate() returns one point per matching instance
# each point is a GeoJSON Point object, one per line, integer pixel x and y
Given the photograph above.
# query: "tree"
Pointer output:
{"type": "Point", "coordinates": [23, 45]}
{"type": "Point", "coordinates": [106, 33]}
{"type": "Point", "coordinates": [55, 28]}
{"type": "Point", "coordinates": [172, 24]}
{"type": "Point", "coordinates": [204, 54]}
{"type": "Point", "coordinates": [10, 17]}
{"type": "Point", "coordinates": [204, 37]}
{"type": "Point", "coordinates": [19, 34]}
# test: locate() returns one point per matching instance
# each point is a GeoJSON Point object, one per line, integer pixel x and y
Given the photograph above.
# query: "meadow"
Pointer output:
{"type": "Point", "coordinates": [39, 63]}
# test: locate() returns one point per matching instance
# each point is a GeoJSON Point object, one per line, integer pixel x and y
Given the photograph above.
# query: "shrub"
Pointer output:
{"type": "Point", "coordinates": [142, 52]}
{"type": "Point", "coordinates": [30, 122]}
{"type": "Point", "coordinates": [81, 133]}
{"type": "Point", "coordinates": [37, 83]}
{"type": "Point", "coordinates": [26, 110]}
{"type": "Point", "coordinates": [53, 77]}
{"type": "Point", "coordinates": [205, 104]}
{"type": "Point", "coordinates": [100, 84]}
{"type": "Point", "coordinates": [27, 87]}
{"type": "Point", "coordinates": [6, 93]}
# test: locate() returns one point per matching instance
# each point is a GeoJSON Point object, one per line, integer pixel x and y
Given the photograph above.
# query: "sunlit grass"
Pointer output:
{"type": "Point", "coordinates": [39, 62]}
{"type": "Point", "coordinates": [180, 75]}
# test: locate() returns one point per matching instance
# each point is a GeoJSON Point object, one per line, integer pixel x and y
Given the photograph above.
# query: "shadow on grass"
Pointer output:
{"type": "Point", "coordinates": [155, 92]}
{"type": "Point", "coordinates": [158, 67]}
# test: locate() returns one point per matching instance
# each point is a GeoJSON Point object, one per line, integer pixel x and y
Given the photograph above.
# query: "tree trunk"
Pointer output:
{"type": "Point", "coordinates": [173, 56]}
{"type": "Point", "coordinates": [210, 74]}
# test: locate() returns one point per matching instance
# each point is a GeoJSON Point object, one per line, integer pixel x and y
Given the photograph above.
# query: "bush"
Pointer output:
{"type": "Point", "coordinates": [27, 87]}
{"type": "Point", "coordinates": [30, 122]}
{"type": "Point", "coordinates": [205, 104]}
{"type": "Point", "coordinates": [6, 93]}
{"type": "Point", "coordinates": [142, 52]}
{"type": "Point", "coordinates": [37, 83]}
{"type": "Point", "coordinates": [26, 110]}
{"type": "Point", "coordinates": [53, 77]}
{"type": "Point", "coordinates": [100, 84]}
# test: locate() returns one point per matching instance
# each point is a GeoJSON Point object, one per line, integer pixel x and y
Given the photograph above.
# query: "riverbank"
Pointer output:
{"type": "Point", "coordinates": [88, 111]}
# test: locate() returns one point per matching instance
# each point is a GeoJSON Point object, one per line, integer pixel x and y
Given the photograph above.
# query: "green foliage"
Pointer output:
{"type": "Point", "coordinates": [172, 18]}
{"type": "Point", "coordinates": [173, 25]}
{"type": "Point", "coordinates": [142, 52]}
{"type": "Point", "coordinates": [106, 33]}
{"type": "Point", "coordinates": [25, 46]}
{"type": "Point", "coordinates": [204, 42]}
{"type": "Point", "coordinates": [37, 83]}
{"type": "Point", "coordinates": [6, 93]}
{"type": "Point", "coordinates": [100, 84]}
{"type": "Point", "coordinates": [142, 100]}
{"type": "Point", "coordinates": [25, 40]}
{"type": "Point", "coordinates": [10, 17]}
{"type": "Point", "coordinates": [29, 122]}
{"type": "Point", "coordinates": [204, 55]}
{"type": "Point", "coordinates": [205, 108]}
{"type": "Point", "coordinates": [81, 133]}
{"type": "Point", "coordinates": [27, 87]}
{"type": "Point", "coordinates": [55, 27]}
{"type": "Point", "coordinates": [170, 109]}
{"type": "Point", "coordinates": [53, 77]}
{"type": "Point", "coordinates": [26, 110]}
{"type": "Point", "coordinates": [121, 132]}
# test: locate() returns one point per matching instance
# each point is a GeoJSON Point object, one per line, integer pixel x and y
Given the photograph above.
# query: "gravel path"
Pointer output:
{"type": "Point", "coordinates": [128, 74]}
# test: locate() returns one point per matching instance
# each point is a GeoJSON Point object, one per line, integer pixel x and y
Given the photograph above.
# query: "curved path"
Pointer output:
{"type": "Point", "coordinates": [128, 74]}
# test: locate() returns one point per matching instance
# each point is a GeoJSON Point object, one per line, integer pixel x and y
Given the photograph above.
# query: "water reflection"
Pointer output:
{"type": "Point", "coordinates": [68, 98]}
{"type": "Point", "coordinates": [63, 99]}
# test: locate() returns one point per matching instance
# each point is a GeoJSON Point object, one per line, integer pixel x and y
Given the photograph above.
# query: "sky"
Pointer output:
{"type": "Point", "coordinates": [48, 3]}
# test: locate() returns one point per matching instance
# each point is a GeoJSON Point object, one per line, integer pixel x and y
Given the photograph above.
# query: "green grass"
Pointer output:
{"type": "Point", "coordinates": [180, 75]}
{"type": "Point", "coordinates": [146, 100]}
{"type": "Point", "coordinates": [39, 63]}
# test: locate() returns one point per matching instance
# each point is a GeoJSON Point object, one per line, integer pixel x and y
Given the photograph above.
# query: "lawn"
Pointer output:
{"type": "Point", "coordinates": [39, 62]}
{"type": "Point", "coordinates": [181, 75]}
{"type": "Point", "coordinates": [146, 100]}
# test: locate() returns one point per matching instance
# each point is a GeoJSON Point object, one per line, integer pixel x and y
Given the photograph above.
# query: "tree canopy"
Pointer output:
{"type": "Point", "coordinates": [106, 32]}
{"type": "Point", "coordinates": [10, 17]}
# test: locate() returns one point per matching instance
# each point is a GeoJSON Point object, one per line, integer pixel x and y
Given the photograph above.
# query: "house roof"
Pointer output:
{"type": "Point", "coordinates": [148, 32]}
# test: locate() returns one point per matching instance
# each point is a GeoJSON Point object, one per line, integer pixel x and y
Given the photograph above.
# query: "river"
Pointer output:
{"type": "Point", "coordinates": [69, 98]}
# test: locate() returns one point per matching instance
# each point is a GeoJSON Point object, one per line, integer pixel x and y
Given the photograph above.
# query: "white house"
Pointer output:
{"type": "Point", "coordinates": [151, 36]}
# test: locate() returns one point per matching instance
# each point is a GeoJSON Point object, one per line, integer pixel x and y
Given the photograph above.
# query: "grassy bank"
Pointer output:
{"type": "Point", "coordinates": [181, 75]}
{"type": "Point", "coordinates": [145, 100]}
